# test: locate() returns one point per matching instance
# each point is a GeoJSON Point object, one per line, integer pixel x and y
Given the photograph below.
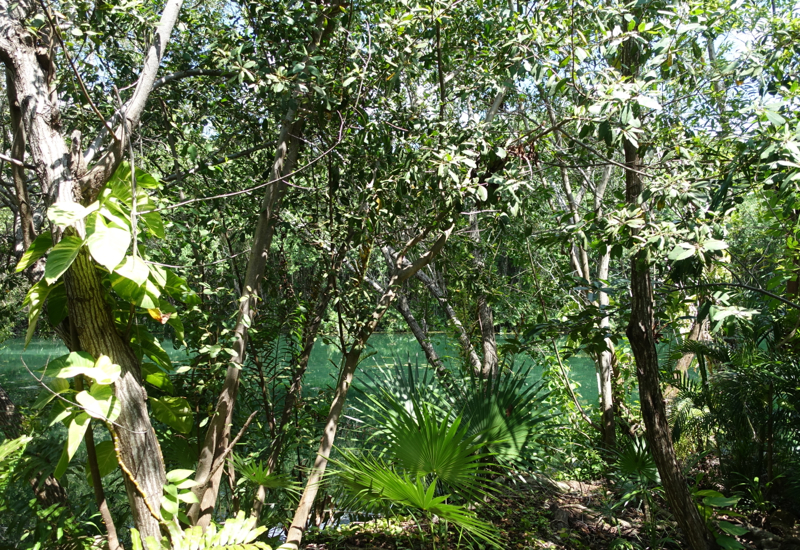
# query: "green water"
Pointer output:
{"type": "Point", "coordinates": [384, 350]}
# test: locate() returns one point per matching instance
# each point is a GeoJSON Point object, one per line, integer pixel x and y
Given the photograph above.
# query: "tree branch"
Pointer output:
{"type": "Point", "coordinates": [99, 174]}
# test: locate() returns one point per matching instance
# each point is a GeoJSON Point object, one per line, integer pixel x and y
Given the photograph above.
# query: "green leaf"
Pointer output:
{"type": "Point", "coordinates": [61, 257]}
{"type": "Point", "coordinates": [57, 309]}
{"type": "Point", "coordinates": [648, 102]}
{"type": "Point", "coordinates": [102, 371]}
{"type": "Point", "coordinates": [64, 214]}
{"type": "Point", "coordinates": [176, 476]}
{"type": "Point", "coordinates": [774, 118]}
{"type": "Point", "coordinates": [153, 222]}
{"type": "Point", "coordinates": [714, 244]}
{"type": "Point", "coordinates": [175, 412]}
{"type": "Point", "coordinates": [178, 288]}
{"type": "Point", "coordinates": [75, 432]}
{"type": "Point", "coordinates": [106, 457]}
{"type": "Point", "coordinates": [134, 269]}
{"type": "Point", "coordinates": [731, 529]}
{"type": "Point", "coordinates": [729, 543]}
{"type": "Point", "coordinates": [161, 381]}
{"type": "Point", "coordinates": [105, 371]}
{"type": "Point", "coordinates": [108, 245]}
{"type": "Point", "coordinates": [36, 250]}
{"type": "Point", "coordinates": [720, 502]}
{"type": "Point", "coordinates": [100, 402]}
{"type": "Point", "coordinates": [146, 181]}
{"type": "Point", "coordinates": [35, 300]}
{"type": "Point", "coordinates": [57, 386]}
{"type": "Point", "coordinates": [681, 252]}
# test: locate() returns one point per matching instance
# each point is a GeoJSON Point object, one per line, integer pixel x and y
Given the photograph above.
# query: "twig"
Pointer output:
{"type": "Point", "coordinates": [17, 162]}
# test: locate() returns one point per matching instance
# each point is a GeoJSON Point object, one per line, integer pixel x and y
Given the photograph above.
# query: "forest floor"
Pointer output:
{"type": "Point", "coordinates": [555, 515]}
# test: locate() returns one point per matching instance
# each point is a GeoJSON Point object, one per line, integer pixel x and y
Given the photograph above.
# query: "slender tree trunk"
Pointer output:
{"type": "Point", "coordinates": [489, 366]}
{"type": "Point", "coordinates": [219, 431]}
{"type": "Point", "coordinates": [463, 337]}
{"type": "Point", "coordinates": [24, 209]}
{"type": "Point", "coordinates": [605, 361]}
{"type": "Point", "coordinates": [351, 360]}
{"type": "Point", "coordinates": [295, 389]}
{"type": "Point", "coordinates": [654, 413]}
{"type": "Point", "coordinates": [402, 306]}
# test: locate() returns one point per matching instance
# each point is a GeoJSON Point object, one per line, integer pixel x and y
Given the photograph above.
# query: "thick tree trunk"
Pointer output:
{"type": "Point", "coordinates": [31, 73]}
{"type": "Point", "coordinates": [401, 274]}
{"type": "Point", "coordinates": [643, 344]}
{"type": "Point", "coordinates": [139, 450]}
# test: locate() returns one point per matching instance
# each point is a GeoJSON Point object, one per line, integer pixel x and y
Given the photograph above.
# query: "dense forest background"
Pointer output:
{"type": "Point", "coordinates": [196, 196]}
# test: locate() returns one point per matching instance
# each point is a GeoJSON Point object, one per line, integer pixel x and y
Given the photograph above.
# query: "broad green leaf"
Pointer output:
{"type": "Point", "coordinates": [35, 300]}
{"type": "Point", "coordinates": [75, 432]}
{"type": "Point", "coordinates": [105, 371]}
{"type": "Point", "coordinates": [36, 250]}
{"type": "Point", "coordinates": [108, 245]}
{"type": "Point", "coordinates": [146, 181]}
{"type": "Point", "coordinates": [72, 364]}
{"type": "Point", "coordinates": [175, 412]}
{"type": "Point", "coordinates": [145, 296]}
{"type": "Point", "coordinates": [774, 118]}
{"type": "Point", "coordinates": [714, 244]}
{"type": "Point", "coordinates": [146, 343]}
{"type": "Point", "coordinates": [153, 222]}
{"type": "Point", "coordinates": [56, 386]}
{"type": "Point", "coordinates": [176, 476]}
{"type": "Point", "coordinates": [170, 505]}
{"type": "Point", "coordinates": [57, 309]}
{"type": "Point", "coordinates": [161, 381]}
{"type": "Point", "coordinates": [729, 543]}
{"type": "Point", "coordinates": [100, 402]}
{"type": "Point", "coordinates": [188, 497]}
{"type": "Point", "coordinates": [731, 529]}
{"type": "Point", "coordinates": [134, 269]}
{"type": "Point", "coordinates": [681, 252]}
{"type": "Point", "coordinates": [648, 102]}
{"type": "Point", "coordinates": [720, 502]}
{"type": "Point", "coordinates": [64, 214]}
{"type": "Point", "coordinates": [178, 288]}
{"type": "Point", "coordinates": [106, 459]}
{"type": "Point", "coordinates": [61, 257]}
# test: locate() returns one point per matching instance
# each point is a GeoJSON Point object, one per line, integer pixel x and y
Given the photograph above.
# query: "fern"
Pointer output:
{"type": "Point", "coordinates": [237, 533]}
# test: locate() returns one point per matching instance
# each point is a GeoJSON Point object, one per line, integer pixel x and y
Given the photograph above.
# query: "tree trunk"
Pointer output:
{"type": "Point", "coordinates": [295, 389]}
{"type": "Point", "coordinates": [654, 413]}
{"type": "Point", "coordinates": [139, 450]}
{"type": "Point", "coordinates": [219, 431]}
{"type": "Point", "coordinates": [490, 366]}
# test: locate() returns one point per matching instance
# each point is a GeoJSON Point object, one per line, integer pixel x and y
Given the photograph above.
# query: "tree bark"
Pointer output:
{"type": "Point", "coordinates": [463, 337]}
{"type": "Point", "coordinates": [139, 450]}
{"type": "Point", "coordinates": [351, 359]}
{"type": "Point", "coordinates": [489, 366]}
{"type": "Point", "coordinates": [219, 430]}
{"type": "Point", "coordinates": [643, 344]}
{"type": "Point", "coordinates": [402, 306]}
{"type": "Point", "coordinates": [31, 72]}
